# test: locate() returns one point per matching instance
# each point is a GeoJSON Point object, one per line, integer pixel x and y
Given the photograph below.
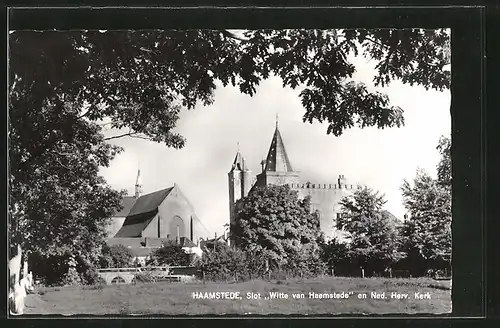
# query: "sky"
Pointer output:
{"type": "Point", "coordinates": [378, 158]}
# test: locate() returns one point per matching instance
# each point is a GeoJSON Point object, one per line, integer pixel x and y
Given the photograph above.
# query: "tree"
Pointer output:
{"type": "Point", "coordinates": [224, 263]}
{"type": "Point", "coordinates": [444, 166]}
{"type": "Point", "coordinates": [66, 87]}
{"type": "Point", "coordinates": [372, 233]}
{"type": "Point", "coordinates": [116, 256]}
{"type": "Point", "coordinates": [274, 219]}
{"type": "Point", "coordinates": [335, 255]}
{"type": "Point", "coordinates": [306, 262]}
{"type": "Point", "coordinates": [171, 255]}
{"type": "Point", "coordinates": [427, 232]}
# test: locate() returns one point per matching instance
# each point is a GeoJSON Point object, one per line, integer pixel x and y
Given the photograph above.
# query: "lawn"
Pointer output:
{"type": "Point", "coordinates": [177, 298]}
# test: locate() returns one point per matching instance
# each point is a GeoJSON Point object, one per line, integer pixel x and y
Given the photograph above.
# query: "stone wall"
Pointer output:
{"type": "Point", "coordinates": [325, 198]}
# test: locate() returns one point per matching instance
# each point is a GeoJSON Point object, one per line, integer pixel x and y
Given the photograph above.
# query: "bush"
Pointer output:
{"type": "Point", "coordinates": [72, 277]}
{"type": "Point", "coordinates": [169, 255]}
{"type": "Point", "coordinates": [224, 263]}
{"type": "Point", "coordinates": [232, 264]}
{"type": "Point", "coordinates": [335, 255]}
{"type": "Point", "coordinates": [115, 256]}
{"type": "Point", "coordinates": [65, 269]}
{"type": "Point", "coordinates": [306, 263]}
{"type": "Point", "coordinates": [91, 277]}
{"type": "Point", "coordinates": [257, 263]}
{"type": "Point", "coordinates": [144, 277]}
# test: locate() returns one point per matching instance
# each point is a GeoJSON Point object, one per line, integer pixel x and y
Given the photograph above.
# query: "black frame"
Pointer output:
{"type": "Point", "coordinates": [468, 102]}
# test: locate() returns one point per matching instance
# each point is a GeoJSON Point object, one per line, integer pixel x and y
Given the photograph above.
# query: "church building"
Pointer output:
{"type": "Point", "coordinates": [148, 221]}
{"type": "Point", "coordinates": [277, 170]}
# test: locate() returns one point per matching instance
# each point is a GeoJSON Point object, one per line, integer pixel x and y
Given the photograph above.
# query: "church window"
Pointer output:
{"type": "Point", "coordinates": [177, 227]}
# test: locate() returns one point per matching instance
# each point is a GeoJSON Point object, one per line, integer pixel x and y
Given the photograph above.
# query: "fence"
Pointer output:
{"type": "Point", "coordinates": [159, 273]}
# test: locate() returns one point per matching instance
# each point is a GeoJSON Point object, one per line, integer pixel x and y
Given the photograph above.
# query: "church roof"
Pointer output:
{"type": "Point", "coordinates": [277, 159]}
{"type": "Point", "coordinates": [127, 203]}
{"type": "Point", "coordinates": [392, 218]}
{"type": "Point", "coordinates": [141, 214]}
{"type": "Point", "coordinates": [134, 225]}
{"type": "Point", "coordinates": [149, 202]}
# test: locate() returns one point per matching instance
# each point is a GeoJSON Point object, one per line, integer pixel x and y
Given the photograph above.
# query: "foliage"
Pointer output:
{"type": "Point", "coordinates": [335, 255]}
{"type": "Point", "coordinates": [444, 166]}
{"type": "Point", "coordinates": [226, 263]}
{"type": "Point", "coordinates": [274, 219]}
{"type": "Point", "coordinates": [307, 263]}
{"type": "Point", "coordinates": [372, 230]}
{"type": "Point", "coordinates": [66, 269]}
{"type": "Point", "coordinates": [91, 277]}
{"type": "Point", "coordinates": [116, 256]}
{"type": "Point", "coordinates": [106, 261]}
{"type": "Point", "coordinates": [72, 277]}
{"type": "Point", "coordinates": [144, 277]}
{"type": "Point", "coordinates": [427, 232]}
{"type": "Point", "coordinates": [257, 263]}
{"type": "Point", "coordinates": [223, 263]}
{"type": "Point", "coordinates": [65, 88]}
{"type": "Point", "coordinates": [214, 244]}
{"type": "Point", "coordinates": [171, 255]}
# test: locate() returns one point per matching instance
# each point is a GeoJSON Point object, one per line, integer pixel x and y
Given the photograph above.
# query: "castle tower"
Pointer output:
{"type": "Point", "coordinates": [138, 184]}
{"type": "Point", "coordinates": [277, 168]}
{"type": "Point", "coordinates": [341, 181]}
{"type": "Point", "coordinates": [240, 183]}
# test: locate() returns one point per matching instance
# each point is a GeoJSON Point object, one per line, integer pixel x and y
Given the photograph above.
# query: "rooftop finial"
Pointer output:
{"type": "Point", "coordinates": [276, 120]}
{"type": "Point", "coordinates": [238, 145]}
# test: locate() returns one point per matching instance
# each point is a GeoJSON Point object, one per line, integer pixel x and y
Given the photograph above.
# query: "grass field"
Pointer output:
{"type": "Point", "coordinates": [176, 298]}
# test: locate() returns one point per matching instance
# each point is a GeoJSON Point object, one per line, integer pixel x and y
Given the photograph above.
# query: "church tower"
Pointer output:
{"type": "Point", "coordinates": [277, 169]}
{"type": "Point", "coordinates": [240, 183]}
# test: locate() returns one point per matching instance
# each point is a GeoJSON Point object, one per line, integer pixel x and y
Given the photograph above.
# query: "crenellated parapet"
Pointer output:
{"type": "Point", "coordinates": [324, 186]}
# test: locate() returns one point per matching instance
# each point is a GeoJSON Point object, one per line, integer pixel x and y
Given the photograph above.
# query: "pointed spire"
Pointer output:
{"type": "Point", "coordinates": [277, 158]}
{"type": "Point", "coordinates": [239, 161]}
{"type": "Point", "coordinates": [138, 182]}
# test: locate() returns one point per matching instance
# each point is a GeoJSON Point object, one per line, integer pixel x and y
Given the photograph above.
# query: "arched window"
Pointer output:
{"type": "Point", "coordinates": [177, 227]}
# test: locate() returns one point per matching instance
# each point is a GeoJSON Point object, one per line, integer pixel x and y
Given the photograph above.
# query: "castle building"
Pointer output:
{"type": "Point", "coordinates": [277, 170]}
